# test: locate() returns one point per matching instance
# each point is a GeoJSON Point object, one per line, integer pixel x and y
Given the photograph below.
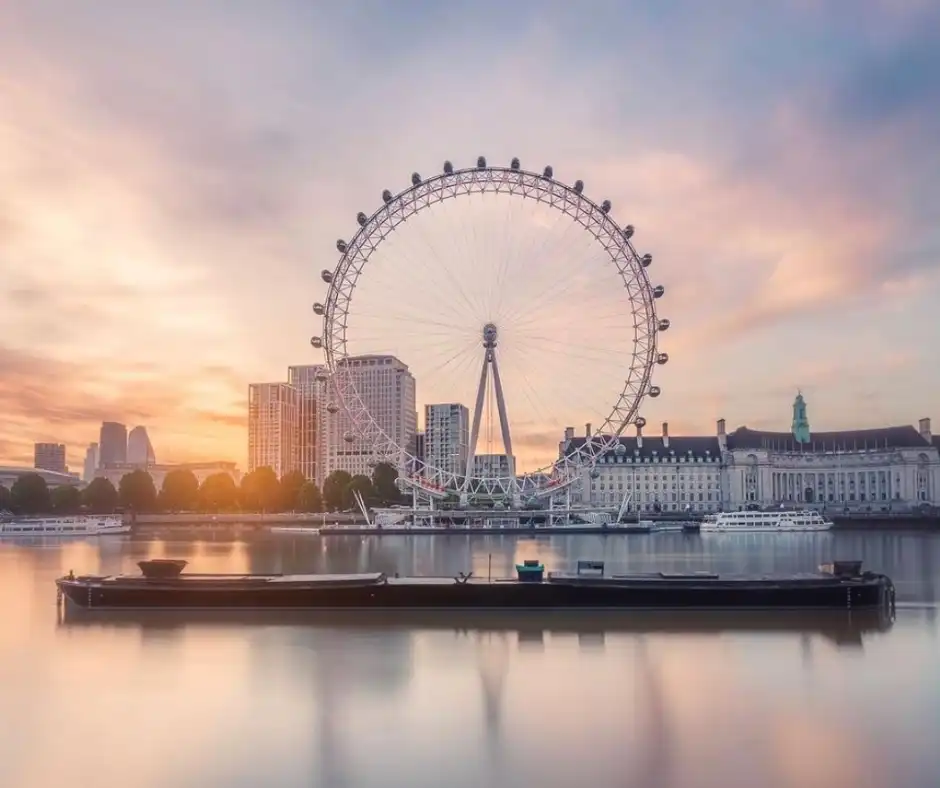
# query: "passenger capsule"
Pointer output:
{"type": "Point", "coordinates": [332, 408]}
{"type": "Point", "coordinates": [514, 164]}
{"type": "Point", "coordinates": [387, 196]}
{"type": "Point", "coordinates": [349, 437]}
{"type": "Point", "coordinates": [655, 391]}
{"type": "Point", "coordinates": [620, 449]}
{"type": "Point", "coordinates": [341, 245]}
{"type": "Point", "coordinates": [548, 172]}
{"type": "Point", "coordinates": [481, 162]}
{"type": "Point", "coordinates": [664, 324]}
{"type": "Point", "coordinates": [662, 358]}
{"type": "Point", "coordinates": [579, 186]}
{"type": "Point", "coordinates": [321, 377]}
{"type": "Point", "coordinates": [605, 206]}
{"type": "Point", "coordinates": [640, 422]}
{"type": "Point", "coordinates": [658, 291]}
{"type": "Point", "coordinates": [361, 218]}
{"type": "Point", "coordinates": [646, 260]}
{"type": "Point", "coordinates": [318, 309]}
{"type": "Point", "coordinates": [326, 276]}
{"type": "Point", "coordinates": [628, 232]}
{"type": "Point", "coordinates": [448, 168]}
{"type": "Point", "coordinates": [415, 179]}
{"type": "Point", "coordinates": [317, 342]}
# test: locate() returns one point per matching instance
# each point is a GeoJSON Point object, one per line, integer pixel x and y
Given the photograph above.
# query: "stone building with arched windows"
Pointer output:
{"type": "Point", "coordinates": [882, 469]}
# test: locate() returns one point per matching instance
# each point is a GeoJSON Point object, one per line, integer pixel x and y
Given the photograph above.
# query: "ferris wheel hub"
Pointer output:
{"type": "Point", "coordinates": [490, 335]}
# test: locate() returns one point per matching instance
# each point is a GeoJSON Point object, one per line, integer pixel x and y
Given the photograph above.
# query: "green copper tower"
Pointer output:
{"type": "Point", "coordinates": [800, 422]}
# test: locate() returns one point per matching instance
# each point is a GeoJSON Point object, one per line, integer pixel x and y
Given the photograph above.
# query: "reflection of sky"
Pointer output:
{"type": "Point", "coordinates": [221, 704]}
{"type": "Point", "coordinates": [177, 176]}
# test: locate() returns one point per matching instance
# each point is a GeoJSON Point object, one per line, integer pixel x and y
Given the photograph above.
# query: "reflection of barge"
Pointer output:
{"type": "Point", "coordinates": [162, 585]}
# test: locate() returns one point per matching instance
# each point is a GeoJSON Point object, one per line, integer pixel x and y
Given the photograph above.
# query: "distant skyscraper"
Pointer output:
{"type": "Point", "coordinates": [139, 448]}
{"type": "Point", "coordinates": [311, 382]}
{"type": "Point", "coordinates": [446, 436]}
{"type": "Point", "coordinates": [273, 420]}
{"type": "Point", "coordinates": [387, 390]}
{"type": "Point", "coordinates": [91, 462]}
{"type": "Point", "coordinates": [49, 457]}
{"type": "Point", "coordinates": [112, 444]}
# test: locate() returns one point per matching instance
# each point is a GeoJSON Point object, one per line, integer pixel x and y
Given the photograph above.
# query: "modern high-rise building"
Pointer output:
{"type": "Point", "coordinates": [387, 390]}
{"type": "Point", "coordinates": [49, 457]}
{"type": "Point", "coordinates": [112, 445]}
{"type": "Point", "coordinates": [273, 427]}
{"type": "Point", "coordinates": [312, 384]}
{"type": "Point", "coordinates": [447, 436]}
{"type": "Point", "coordinates": [91, 462]}
{"type": "Point", "coordinates": [140, 449]}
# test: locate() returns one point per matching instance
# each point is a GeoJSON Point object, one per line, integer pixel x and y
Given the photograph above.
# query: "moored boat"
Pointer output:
{"type": "Point", "coordinates": [774, 520]}
{"type": "Point", "coordinates": [79, 525]}
{"type": "Point", "coordinates": [162, 584]}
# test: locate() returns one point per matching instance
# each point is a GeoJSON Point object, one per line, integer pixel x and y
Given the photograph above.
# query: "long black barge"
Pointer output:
{"type": "Point", "coordinates": [162, 584]}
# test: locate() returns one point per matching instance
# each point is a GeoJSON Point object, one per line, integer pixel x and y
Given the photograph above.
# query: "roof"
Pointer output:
{"type": "Point", "coordinates": [906, 437]}
{"type": "Point", "coordinates": [693, 446]}
{"type": "Point", "coordinates": [9, 474]}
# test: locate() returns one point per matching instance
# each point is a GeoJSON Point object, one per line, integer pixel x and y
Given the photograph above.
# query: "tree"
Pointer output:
{"type": "Point", "coordinates": [385, 488]}
{"type": "Point", "coordinates": [334, 490]}
{"type": "Point", "coordinates": [99, 496]}
{"type": "Point", "coordinates": [66, 499]}
{"type": "Point", "coordinates": [260, 490]}
{"type": "Point", "coordinates": [6, 501]}
{"type": "Point", "coordinates": [309, 499]}
{"type": "Point", "coordinates": [30, 494]}
{"type": "Point", "coordinates": [291, 484]}
{"type": "Point", "coordinates": [362, 485]}
{"type": "Point", "coordinates": [179, 491]}
{"type": "Point", "coordinates": [137, 491]}
{"type": "Point", "coordinates": [218, 493]}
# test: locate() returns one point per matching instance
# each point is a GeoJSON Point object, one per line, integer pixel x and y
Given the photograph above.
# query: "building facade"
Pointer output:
{"type": "Point", "coordinates": [312, 384]}
{"type": "Point", "coordinates": [140, 449]}
{"type": "Point", "coordinates": [112, 444]}
{"type": "Point", "coordinates": [91, 462]}
{"type": "Point", "coordinates": [447, 437]}
{"type": "Point", "coordinates": [50, 457]}
{"type": "Point", "coordinates": [273, 420]}
{"type": "Point", "coordinates": [387, 390]}
{"type": "Point", "coordinates": [871, 470]}
{"type": "Point", "coordinates": [201, 470]}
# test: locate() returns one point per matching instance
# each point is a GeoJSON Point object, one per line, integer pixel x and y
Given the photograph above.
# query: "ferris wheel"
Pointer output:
{"type": "Point", "coordinates": [454, 274]}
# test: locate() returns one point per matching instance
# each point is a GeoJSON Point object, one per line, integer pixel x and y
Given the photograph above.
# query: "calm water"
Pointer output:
{"type": "Point", "coordinates": [658, 701]}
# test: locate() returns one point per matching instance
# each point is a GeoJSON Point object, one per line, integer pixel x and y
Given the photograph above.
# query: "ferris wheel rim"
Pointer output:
{"type": "Point", "coordinates": [513, 181]}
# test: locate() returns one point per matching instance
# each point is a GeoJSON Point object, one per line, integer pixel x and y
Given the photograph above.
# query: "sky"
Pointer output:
{"type": "Point", "coordinates": [175, 176]}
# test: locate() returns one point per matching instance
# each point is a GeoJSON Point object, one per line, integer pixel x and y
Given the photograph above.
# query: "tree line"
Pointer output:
{"type": "Point", "coordinates": [259, 491]}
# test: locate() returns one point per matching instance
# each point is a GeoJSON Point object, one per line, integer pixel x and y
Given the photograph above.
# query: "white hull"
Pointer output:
{"type": "Point", "coordinates": [65, 526]}
{"type": "Point", "coordinates": [750, 529]}
{"type": "Point", "coordinates": [766, 522]}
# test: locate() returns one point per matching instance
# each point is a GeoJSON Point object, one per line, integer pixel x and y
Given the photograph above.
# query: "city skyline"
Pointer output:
{"type": "Point", "coordinates": [173, 211]}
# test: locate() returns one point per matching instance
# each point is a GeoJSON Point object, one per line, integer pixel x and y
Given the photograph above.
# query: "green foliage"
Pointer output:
{"type": "Point", "coordinates": [100, 497]}
{"type": "Point", "coordinates": [362, 485]}
{"type": "Point", "coordinates": [66, 499]}
{"type": "Point", "coordinates": [30, 494]}
{"type": "Point", "coordinates": [309, 499]}
{"type": "Point", "coordinates": [218, 493]}
{"type": "Point", "coordinates": [260, 491]}
{"type": "Point", "coordinates": [137, 492]}
{"type": "Point", "coordinates": [291, 484]}
{"type": "Point", "coordinates": [6, 500]}
{"type": "Point", "coordinates": [384, 485]}
{"type": "Point", "coordinates": [180, 491]}
{"type": "Point", "coordinates": [334, 490]}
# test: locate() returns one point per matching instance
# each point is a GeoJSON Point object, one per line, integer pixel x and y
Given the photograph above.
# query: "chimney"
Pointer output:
{"type": "Point", "coordinates": [569, 433]}
{"type": "Point", "coordinates": [639, 436]}
{"type": "Point", "coordinates": [587, 430]}
{"type": "Point", "coordinates": [721, 427]}
{"type": "Point", "coordinates": [722, 437]}
{"type": "Point", "coordinates": [924, 428]}
{"type": "Point", "coordinates": [665, 434]}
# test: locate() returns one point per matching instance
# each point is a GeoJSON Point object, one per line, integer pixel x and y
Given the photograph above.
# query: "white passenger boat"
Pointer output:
{"type": "Point", "coordinates": [780, 520]}
{"type": "Point", "coordinates": [79, 525]}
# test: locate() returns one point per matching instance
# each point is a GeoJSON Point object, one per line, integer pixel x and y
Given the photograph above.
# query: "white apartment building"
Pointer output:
{"type": "Point", "coordinates": [447, 437]}
{"type": "Point", "coordinates": [387, 389]}
{"type": "Point", "coordinates": [312, 384]}
{"type": "Point", "coordinates": [273, 420]}
{"type": "Point", "coordinates": [91, 462]}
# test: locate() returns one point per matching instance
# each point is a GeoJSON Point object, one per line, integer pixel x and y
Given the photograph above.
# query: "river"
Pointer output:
{"type": "Point", "coordinates": [653, 701]}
